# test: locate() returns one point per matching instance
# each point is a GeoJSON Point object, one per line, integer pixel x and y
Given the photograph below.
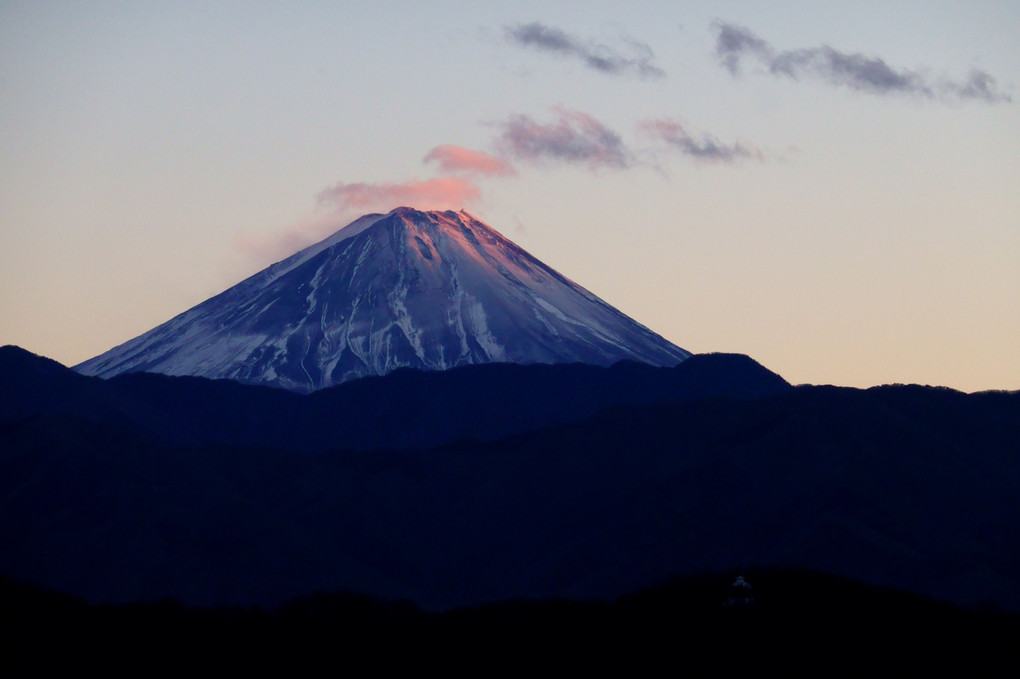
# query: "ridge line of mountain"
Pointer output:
{"type": "Point", "coordinates": [405, 409]}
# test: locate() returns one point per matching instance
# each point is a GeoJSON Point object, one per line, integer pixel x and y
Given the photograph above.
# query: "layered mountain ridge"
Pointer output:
{"type": "Point", "coordinates": [495, 482]}
{"type": "Point", "coordinates": [426, 290]}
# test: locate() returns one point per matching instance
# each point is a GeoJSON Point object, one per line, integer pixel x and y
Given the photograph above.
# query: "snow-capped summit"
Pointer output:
{"type": "Point", "coordinates": [429, 290]}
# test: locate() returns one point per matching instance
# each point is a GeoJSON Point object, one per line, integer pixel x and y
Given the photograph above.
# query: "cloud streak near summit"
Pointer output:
{"type": "Point", "coordinates": [441, 193]}
{"type": "Point", "coordinates": [452, 159]}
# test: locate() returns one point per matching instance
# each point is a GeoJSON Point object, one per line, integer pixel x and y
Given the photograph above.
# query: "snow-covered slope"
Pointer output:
{"type": "Point", "coordinates": [429, 290]}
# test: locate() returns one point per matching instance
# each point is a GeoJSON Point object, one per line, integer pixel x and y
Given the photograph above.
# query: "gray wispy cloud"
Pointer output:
{"type": "Point", "coordinates": [735, 44]}
{"type": "Point", "coordinates": [574, 137]}
{"type": "Point", "coordinates": [702, 147]}
{"type": "Point", "coordinates": [594, 55]}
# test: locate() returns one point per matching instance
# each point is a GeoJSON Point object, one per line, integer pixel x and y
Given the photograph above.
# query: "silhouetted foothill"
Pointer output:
{"type": "Point", "coordinates": [491, 482]}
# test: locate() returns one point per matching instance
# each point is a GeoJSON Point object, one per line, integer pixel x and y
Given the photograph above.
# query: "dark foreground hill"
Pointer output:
{"type": "Point", "coordinates": [912, 487]}
{"type": "Point", "coordinates": [407, 409]}
{"type": "Point", "coordinates": [801, 622]}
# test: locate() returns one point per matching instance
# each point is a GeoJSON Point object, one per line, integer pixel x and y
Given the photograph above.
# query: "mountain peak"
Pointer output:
{"type": "Point", "coordinates": [406, 211]}
{"type": "Point", "coordinates": [410, 288]}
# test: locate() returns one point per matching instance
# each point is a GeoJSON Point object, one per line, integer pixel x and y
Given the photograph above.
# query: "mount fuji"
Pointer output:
{"type": "Point", "coordinates": [426, 290]}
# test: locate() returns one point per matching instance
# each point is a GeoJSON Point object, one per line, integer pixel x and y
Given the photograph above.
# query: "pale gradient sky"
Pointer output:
{"type": "Point", "coordinates": [838, 218]}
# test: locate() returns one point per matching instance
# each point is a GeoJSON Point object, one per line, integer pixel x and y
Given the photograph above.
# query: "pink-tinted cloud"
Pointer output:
{"type": "Point", "coordinates": [702, 147]}
{"type": "Point", "coordinates": [341, 204]}
{"type": "Point", "coordinates": [263, 250]}
{"type": "Point", "coordinates": [575, 137]}
{"type": "Point", "coordinates": [453, 158]}
{"type": "Point", "coordinates": [442, 193]}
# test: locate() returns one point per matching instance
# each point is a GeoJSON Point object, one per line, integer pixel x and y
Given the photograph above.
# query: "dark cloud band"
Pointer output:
{"type": "Point", "coordinates": [575, 138]}
{"type": "Point", "coordinates": [702, 147]}
{"type": "Point", "coordinates": [735, 44]}
{"type": "Point", "coordinates": [594, 55]}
